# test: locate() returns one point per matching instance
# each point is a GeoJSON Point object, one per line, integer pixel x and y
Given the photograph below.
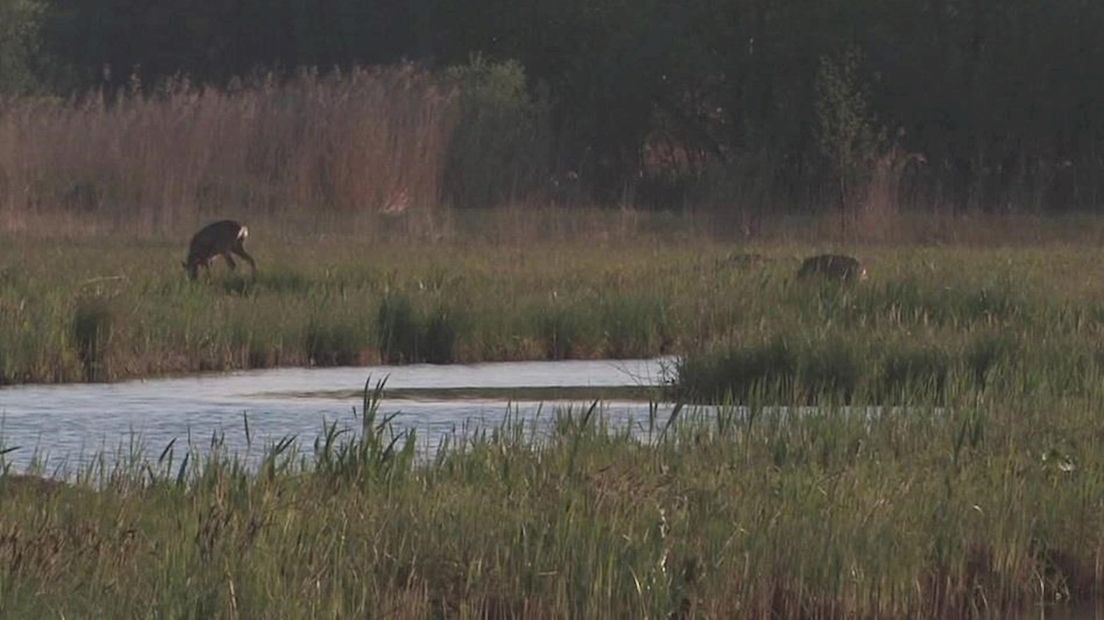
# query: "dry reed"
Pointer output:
{"type": "Point", "coordinates": [365, 140]}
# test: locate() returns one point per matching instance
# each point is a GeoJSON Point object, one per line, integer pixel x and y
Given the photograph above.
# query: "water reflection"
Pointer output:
{"type": "Point", "coordinates": [71, 423]}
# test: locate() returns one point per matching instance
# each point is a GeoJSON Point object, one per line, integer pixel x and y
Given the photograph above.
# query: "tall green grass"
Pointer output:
{"type": "Point", "coordinates": [972, 507]}
{"type": "Point", "coordinates": [106, 307]}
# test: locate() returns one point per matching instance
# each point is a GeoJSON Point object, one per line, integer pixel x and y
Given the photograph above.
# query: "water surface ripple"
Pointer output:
{"type": "Point", "coordinates": [69, 423]}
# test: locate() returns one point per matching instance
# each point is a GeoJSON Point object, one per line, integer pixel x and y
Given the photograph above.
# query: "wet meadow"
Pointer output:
{"type": "Point", "coordinates": [923, 443]}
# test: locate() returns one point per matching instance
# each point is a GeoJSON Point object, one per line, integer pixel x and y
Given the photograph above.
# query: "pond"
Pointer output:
{"type": "Point", "coordinates": [66, 425]}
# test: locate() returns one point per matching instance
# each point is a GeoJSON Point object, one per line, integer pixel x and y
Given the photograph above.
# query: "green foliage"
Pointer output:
{"type": "Point", "coordinates": [972, 486]}
{"type": "Point", "coordinates": [93, 329]}
{"type": "Point", "coordinates": [832, 370]}
{"type": "Point", "coordinates": [442, 330]}
{"type": "Point", "coordinates": [510, 289]}
{"type": "Point", "coordinates": [634, 325]}
{"type": "Point", "coordinates": [910, 369]}
{"type": "Point", "coordinates": [499, 151]}
{"type": "Point", "coordinates": [767, 368]}
{"type": "Point", "coordinates": [377, 453]}
{"type": "Point", "coordinates": [398, 330]}
{"type": "Point", "coordinates": [987, 353]}
{"type": "Point", "coordinates": [332, 343]}
{"type": "Point", "coordinates": [847, 132]}
{"type": "Point", "coordinates": [407, 335]}
{"type": "Point", "coordinates": [558, 328]}
{"type": "Point", "coordinates": [971, 508]}
{"type": "Point", "coordinates": [21, 47]}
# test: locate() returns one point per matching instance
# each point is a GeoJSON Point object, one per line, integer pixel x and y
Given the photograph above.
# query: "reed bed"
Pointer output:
{"type": "Point", "coordinates": [364, 140]}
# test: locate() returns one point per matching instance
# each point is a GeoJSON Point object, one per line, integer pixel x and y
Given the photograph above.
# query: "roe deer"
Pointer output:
{"type": "Point", "coordinates": [833, 266]}
{"type": "Point", "coordinates": [218, 239]}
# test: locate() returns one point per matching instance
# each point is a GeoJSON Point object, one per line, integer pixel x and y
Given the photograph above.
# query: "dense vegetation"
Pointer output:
{"type": "Point", "coordinates": [949, 464]}
{"type": "Point", "coordinates": [974, 504]}
{"type": "Point", "coordinates": [950, 468]}
{"type": "Point", "coordinates": [550, 285]}
{"type": "Point", "coordinates": [754, 102]}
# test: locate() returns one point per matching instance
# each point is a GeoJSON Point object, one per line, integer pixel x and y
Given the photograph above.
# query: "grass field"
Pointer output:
{"type": "Point", "coordinates": [105, 307]}
{"type": "Point", "coordinates": [950, 468]}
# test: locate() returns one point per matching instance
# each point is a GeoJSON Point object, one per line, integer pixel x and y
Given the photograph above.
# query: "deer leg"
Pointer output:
{"type": "Point", "coordinates": [230, 261]}
{"type": "Point", "coordinates": [239, 249]}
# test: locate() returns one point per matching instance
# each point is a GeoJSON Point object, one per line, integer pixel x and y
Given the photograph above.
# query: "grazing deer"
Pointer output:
{"type": "Point", "coordinates": [833, 266]}
{"type": "Point", "coordinates": [218, 239]}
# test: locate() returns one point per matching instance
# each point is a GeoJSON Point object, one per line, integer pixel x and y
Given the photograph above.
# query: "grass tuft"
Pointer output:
{"type": "Point", "coordinates": [93, 331]}
{"type": "Point", "coordinates": [442, 330]}
{"type": "Point", "coordinates": [914, 368]}
{"type": "Point", "coordinates": [341, 344]}
{"type": "Point", "coordinates": [398, 330]}
{"type": "Point", "coordinates": [831, 370]}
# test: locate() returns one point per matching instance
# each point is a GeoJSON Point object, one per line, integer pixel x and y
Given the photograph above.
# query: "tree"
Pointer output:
{"type": "Point", "coordinates": [847, 131]}
{"type": "Point", "coordinates": [20, 46]}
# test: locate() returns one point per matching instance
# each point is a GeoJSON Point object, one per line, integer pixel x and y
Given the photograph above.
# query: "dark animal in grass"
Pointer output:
{"type": "Point", "coordinates": [223, 239]}
{"type": "Point", "coordinates": [832, 266]}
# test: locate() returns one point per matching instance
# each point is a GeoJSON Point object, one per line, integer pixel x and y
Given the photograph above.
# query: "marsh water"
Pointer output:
{"type": "Point", "coordinates": [66, 425]}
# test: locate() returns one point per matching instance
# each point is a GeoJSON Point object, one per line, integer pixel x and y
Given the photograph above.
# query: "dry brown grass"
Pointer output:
{"type": "Point", "coordinates": [366, 140]}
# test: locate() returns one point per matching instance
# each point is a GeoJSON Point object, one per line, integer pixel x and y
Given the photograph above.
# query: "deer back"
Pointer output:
{"type": "Point", "coordinates": [214, 239]}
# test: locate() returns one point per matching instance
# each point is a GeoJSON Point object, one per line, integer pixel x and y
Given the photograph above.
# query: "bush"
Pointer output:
{"type": "Point", "coordinates": [499, 150]}
{"type": "Point", "coordinates": [986, 353]}
{"type": "Point", "coordinates": [20, 23]}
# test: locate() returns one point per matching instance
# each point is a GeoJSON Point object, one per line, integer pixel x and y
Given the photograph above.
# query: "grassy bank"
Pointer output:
{"type": "Point", "coordinates": [104, 308]}
{"type": "Point", "coordinates": [982, 507]}
{"type": "Point", "coordinates": [981, 493]}
{"type": "Point", "coordinates": [511, 287]}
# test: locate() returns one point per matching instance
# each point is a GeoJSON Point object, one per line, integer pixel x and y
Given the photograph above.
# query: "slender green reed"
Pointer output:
{"type": "Point", "coordinates": [969, 507]}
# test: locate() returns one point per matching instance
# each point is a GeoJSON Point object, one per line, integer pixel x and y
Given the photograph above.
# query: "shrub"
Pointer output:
{"type": "Point", "coordinates": [499, 150]}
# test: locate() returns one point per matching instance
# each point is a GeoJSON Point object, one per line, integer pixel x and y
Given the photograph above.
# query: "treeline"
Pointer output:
{"type": "Point", "coordinates": [953, 104]}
